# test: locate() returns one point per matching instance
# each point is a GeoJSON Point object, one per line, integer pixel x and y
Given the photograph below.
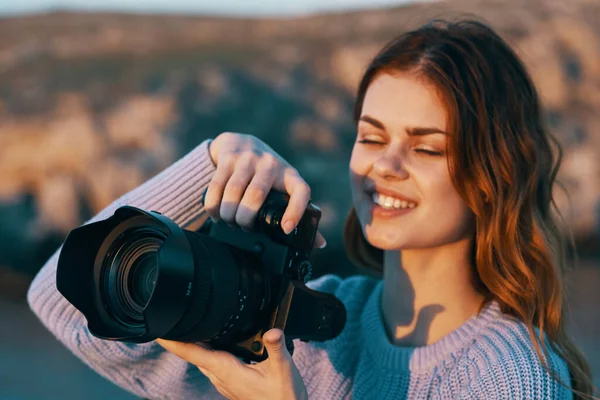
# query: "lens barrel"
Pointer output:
{"type": "Point", "coordinates": [220, 299]}
{"type": "Point", "coordinates": [148, 278]}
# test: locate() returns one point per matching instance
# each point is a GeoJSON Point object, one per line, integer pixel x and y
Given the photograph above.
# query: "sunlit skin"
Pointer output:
{"type": "Point", "coordinates": [401, 147]}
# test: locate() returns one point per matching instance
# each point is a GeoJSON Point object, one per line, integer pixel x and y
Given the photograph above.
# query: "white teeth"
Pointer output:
{"type": "Point", "coordinates": [391, 202]}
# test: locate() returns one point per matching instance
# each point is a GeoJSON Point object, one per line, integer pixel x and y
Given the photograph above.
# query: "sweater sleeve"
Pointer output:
{"type": "Point", "coordinates": [145, 369]}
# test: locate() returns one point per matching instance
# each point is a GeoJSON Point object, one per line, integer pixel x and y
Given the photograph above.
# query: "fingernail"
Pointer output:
{"type": "Point", "coordinates": [287, 227]}
{"type": "Point", "coordinates": [322, 246]}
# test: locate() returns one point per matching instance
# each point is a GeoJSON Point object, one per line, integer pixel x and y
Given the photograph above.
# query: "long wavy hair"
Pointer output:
{"type": "Point", "coordinates": [503, 163]}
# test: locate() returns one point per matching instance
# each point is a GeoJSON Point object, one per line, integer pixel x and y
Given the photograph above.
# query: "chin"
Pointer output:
{"type": "Point", "coordinates": [383, 240]}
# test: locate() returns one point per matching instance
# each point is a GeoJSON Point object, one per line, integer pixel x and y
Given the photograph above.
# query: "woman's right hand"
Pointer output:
{"type": "Point", "coordinates": [247, 169]}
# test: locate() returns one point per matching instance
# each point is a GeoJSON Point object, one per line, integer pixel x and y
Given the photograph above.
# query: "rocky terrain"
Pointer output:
{"type": "Point", "coordinates": [91, 105]}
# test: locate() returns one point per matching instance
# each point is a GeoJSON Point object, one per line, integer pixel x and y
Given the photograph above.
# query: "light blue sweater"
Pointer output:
{"type": "Point", "coordinates": [489, 357]}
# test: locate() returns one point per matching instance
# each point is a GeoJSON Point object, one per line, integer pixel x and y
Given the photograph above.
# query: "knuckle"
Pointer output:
{"type": "Point", "coordinates": [304, 189]}
{"type": "Point", "coordinates": [236, 187]}
{"type": "Point", "coordinates": [226, 159]}
{"type": "Point", "coordinates": [246, 159]}
{"type": "Point", "coordinates": [268, 160]}
{"type": "Point", "coordinates": [218, 182]}
{"type": "Point", "coordinates": [225, 134]}
{"type": "Point", "coordinates": [293, 171]}
{"type": "Point", "coordinates": [255, 193]}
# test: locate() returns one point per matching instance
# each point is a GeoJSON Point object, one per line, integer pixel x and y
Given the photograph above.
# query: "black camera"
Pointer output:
{"type": "Point", "coordinates": [138, 276]}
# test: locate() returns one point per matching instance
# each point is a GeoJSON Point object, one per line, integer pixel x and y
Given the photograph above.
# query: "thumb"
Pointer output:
{"type": "Point", "coordinates": [274, 341]}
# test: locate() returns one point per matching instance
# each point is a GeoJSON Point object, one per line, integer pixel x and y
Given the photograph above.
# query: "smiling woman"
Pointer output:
{"type": "Point", "coordinates": [481, 171]}
{"type": "Point", "coordinates": [399, 159]}
{"type": "Point", "coordinates": [452, 173]}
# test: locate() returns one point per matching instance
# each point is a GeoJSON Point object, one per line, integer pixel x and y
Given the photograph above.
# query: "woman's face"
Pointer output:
{"type": "Point", "coordinates": [401, 186]}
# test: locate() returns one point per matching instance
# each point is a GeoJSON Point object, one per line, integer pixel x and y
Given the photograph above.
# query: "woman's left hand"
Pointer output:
{"type": "Point", "coordinates": [274, 378]}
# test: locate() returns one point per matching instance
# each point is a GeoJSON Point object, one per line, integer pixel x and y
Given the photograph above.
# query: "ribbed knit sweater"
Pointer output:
{"type": "Point", "coordinates": [489, 357]}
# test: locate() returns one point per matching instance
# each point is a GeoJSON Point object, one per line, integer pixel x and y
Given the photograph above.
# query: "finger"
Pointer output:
{"type": "Point", "coordinates": [214, 193]}
{"type": "Point", "coordinates": [188, 351]}
{"type": "Point", "coordinates": [299, 192]}
{"type": "Point", "coordinates": [320, 241]}
{"type": "Point", "coordinates": [215, 361]}
{"type": "Point", "coordinates": [255, 196]}
{"type": "Point", "coordinates": [274, 341]}
{"type": "Point", "coordinates": [235, 188]}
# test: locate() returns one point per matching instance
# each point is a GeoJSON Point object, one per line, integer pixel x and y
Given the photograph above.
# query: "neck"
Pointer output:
{"type": "Point", "coordinates": [428, 293]}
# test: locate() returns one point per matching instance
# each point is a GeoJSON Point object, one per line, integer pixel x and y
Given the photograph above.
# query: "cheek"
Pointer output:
{"type": "Point", "coordinates": [358, 168]}
{"type": "Point", "coordinates": [451, 211]}
{"type": "Point", "coordinates": [357, 160]}
{"type": "Point", "coordinates": [444, 200]}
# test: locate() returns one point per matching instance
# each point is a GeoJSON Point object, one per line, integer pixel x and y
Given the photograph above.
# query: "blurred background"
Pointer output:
{"type": "Point", "coordinates": [97, 98]}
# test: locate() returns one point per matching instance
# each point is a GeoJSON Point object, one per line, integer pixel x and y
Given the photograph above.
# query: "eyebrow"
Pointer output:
{"type": "Point", "coordinates": [416, 131]}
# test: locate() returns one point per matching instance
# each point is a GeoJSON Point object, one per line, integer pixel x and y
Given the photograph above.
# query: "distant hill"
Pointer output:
{"type": "Point", "coordinates": [91, 105]}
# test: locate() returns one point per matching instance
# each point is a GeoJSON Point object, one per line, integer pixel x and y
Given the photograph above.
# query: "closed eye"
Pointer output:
{"type": "Point", "coordinates": [367, 141]}
{"type": "Point", "coordinates": [428, 152]}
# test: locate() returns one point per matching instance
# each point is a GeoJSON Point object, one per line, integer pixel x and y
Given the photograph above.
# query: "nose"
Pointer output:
{"type": "Point", "coordinates": [390, 166]}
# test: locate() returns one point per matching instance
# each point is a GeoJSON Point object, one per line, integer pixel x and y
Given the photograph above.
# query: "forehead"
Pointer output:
{"type": "Point", "coordinates": [402, 100]}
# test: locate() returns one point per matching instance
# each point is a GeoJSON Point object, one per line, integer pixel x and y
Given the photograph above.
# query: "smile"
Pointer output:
{"type": "Point", "coordinates": [391, 203]}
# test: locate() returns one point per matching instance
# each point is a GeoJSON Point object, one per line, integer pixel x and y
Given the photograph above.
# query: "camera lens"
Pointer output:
{"type": "Point", "coordinates": [143, 273]}
{"type": "Point", "coordinates": [229, 296]}
{"type": "Point", "coordinates": [131, 272]}
{"type": "Point", "coordinates": [224, 297]}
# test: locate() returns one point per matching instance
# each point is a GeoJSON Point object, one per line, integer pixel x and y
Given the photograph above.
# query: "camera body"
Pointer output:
{"type": "Point", "coordinates": [137, 276]}
{"type": "Point", "coordinates": [286, 260]}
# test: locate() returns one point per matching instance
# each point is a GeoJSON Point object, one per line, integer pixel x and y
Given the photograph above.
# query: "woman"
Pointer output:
{"type": "Point", "coordinates": [452, 174]}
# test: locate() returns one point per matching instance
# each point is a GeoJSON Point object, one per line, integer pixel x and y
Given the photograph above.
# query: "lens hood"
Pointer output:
{"type": "Point", "coordinates": [81, 263]}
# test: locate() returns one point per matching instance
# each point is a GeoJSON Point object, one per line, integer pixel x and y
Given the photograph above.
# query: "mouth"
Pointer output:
{"type": "Point", "coordinates": [390, 202]}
